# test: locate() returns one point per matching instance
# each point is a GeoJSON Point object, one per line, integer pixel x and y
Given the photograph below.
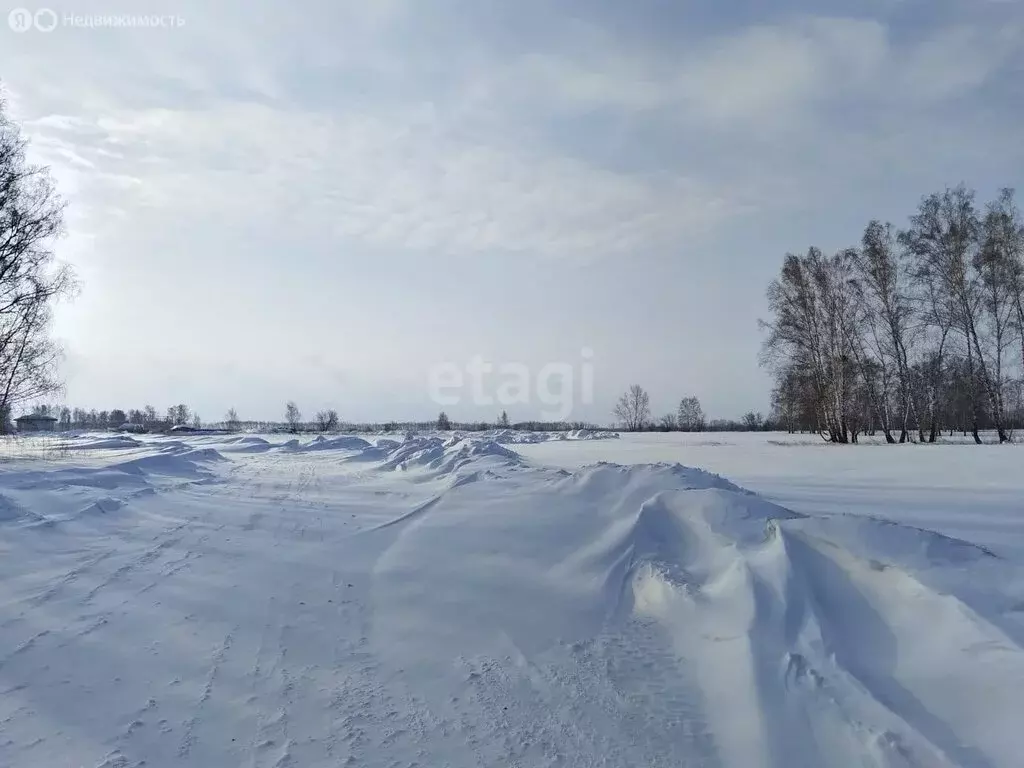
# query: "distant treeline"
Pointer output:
{"type": "Point", "coordinates": [689, 418]}
{"type": "Point", "coordinates": [149, 419]}
{"type": "Point", "coordinates": [633, 413]}
{"type": "Point", "coordinates": [69, 418]}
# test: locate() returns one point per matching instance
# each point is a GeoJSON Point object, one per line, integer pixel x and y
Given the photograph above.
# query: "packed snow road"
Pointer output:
{"type": "Point", "coordinates": [437, 601]}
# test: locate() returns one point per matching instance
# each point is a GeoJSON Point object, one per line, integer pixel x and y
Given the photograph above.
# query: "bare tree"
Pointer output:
{"type": "Point", "coordinates": [443, 422]}
{"type": "Point", "coordinates": [794, 402]}
{"type": "Point", "coordinates": [31, 218]}
{"type": "Point", "coordinates": [634, 408]}
{"type": "Point", "coordinates": [292, 416]}
{"type": "Point", "coordinates": [503, 420]}
{"type": "Point", "coordinates": [936, 317]}
{"type": "Point", "coordinates": [197, 422]}
{"type": "Point", "coordinates": [1005, 226]}
{"type": "Point", "coordinates": [178, 414]}
{"type": "Point", "coordinates": [813, 333]}
{"type": "Point", "coordinates": [924, 328]}
{"type": "Point", "coordinates": [996, 266]}
{"type": "Point", "coordinates": [944, 237]}
{"type": "Point", "coordinates": [690, 416]}
{"type": "Point", "coordinates": [231, 419]}
{"type": "Point", "coordinates": [752, 421]}
{"type": "Point", "coordinates": [327, 420]}
{"type": "Point", "coordinates": [883, 280]}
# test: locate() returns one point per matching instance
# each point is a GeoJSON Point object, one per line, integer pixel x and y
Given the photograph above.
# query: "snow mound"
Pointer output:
{"type": "Point", "coordinates": [460, 454]}
{"type": "Point", "coordinates": [875, 538]}
{"type": "Point", "coordinates": [514, 437]}
{"type": "Point", "coordinates": [11, 511]}
{"type": "Point", "coordinates": [107, 443]}
{"type": "Point", "coordinates": [344, 443]}
{"type": "Point", "coordinates": [174, 446]}
{"type": "Point", "coordinates": [605, 478]}
{"type": "Point", "coordinates": [414, 452]}
{"type": "Point", "coordinates": [247, 444]}
{"type": "Point", "coordinates": [519, 437]}
{"type": "Point", "coordinates": [103, 506]}
{"type": "Point", "coordinates": [171, 464]}
{"type": "Point", "coordinates": [591, 434]}
{"type": "Point", "coordinates": [436, 456]}
{"type": "Point", "coordinates": [571, 544]}
{"type": "Point", "coordinates": [203, 454]}
{"type": "Point", "coordinates": [838, 619]}
{"type": "Point", "coordinates": [388, 452]}
{"type": "Point", "coordinates": [796, 647]}
{"type": "Point", "coordinates": [371, 454]}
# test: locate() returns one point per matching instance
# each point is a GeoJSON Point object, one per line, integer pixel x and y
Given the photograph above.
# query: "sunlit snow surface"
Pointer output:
{"type": "Point", "coordinates": [509, 600]}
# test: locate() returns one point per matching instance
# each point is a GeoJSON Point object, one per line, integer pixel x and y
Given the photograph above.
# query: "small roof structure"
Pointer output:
{"type": "Point", "coordinates": [36, 422]}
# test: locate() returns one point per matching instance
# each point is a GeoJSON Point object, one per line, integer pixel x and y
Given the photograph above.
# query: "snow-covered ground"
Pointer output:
{"type": "Point", "coordinates": [510, 600]}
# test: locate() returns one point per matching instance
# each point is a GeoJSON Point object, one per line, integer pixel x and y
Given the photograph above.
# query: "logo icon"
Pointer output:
{"type": "Point", "coordinates": [46, 20]}
{"type": "Point", "coordinates": [20, 19]}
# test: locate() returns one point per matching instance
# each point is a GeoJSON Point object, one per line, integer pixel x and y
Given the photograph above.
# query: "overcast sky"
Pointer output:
{"type": "Point", "coordinates": [321, 200]}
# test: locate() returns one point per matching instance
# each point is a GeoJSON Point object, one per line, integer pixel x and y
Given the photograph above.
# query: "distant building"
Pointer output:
{"type": "Point", "coordinates": [36, 423]}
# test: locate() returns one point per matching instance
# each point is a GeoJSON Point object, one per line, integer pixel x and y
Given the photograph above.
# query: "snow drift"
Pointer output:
{"type": "Point", "coordinates": [344, 443]}
{"type": "Point", "coordinates": [526, 437]}
{"type": "Point", "coordinates": [246, 444]}
{"type": "Point", "coordinates": [102, 443]}
{"type": "Point", "coordinates": [801, 647]}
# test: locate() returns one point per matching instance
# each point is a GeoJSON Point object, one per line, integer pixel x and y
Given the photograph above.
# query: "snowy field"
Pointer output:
{"type": "Point", "coordinates": [510, 601]}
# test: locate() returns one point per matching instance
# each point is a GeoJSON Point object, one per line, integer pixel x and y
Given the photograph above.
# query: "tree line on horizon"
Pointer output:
{"type": "Point", "coordinates": [327, 420]}
{"type": "Point", "coordinates": [914, 331]}
{"type": "Point", "coordinates": [633, 412]}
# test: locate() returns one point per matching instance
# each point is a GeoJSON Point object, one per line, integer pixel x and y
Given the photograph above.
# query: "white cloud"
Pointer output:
{"type": "Point", "coordinates": [957, 60]}
{"type": "Point", "coordinates": [773, 73]}
{"type": "Point", "coordinates": [400, 181]}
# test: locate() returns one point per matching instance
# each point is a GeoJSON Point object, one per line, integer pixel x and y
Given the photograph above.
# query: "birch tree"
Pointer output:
{"type": "Point", "coordinates": [883, 277]}
{"type": "Point", "coordinates": [690, 416]}
{"type": "Point", "coordinates": [292, 416]}
{"type": "Point", "coordinates": [943, 237]}
{"type": "Point", "coordinates": [31, 280]}
{"type": "Point", "coordinates": [633, 409]}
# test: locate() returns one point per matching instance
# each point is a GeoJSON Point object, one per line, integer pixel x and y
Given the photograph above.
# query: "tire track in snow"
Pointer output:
{"type": "Point", "coordinates": [256, 694]}
{"type": "Point", "coordinates": [141, 561]}
{"type": "Point", "coordinates": [73, 575]}
{"type": "Point", "coordinates": [54, 589]}
{"type": "Point", "coordinates": [271, 744]}
{"type": "Point", "coordinates": [103, 619]}
{"type": "Point", "coordinates": [24, 647]}
{"type": "Point", "coordinates": [620, 699]}
{"type": "Point", "coordinates": [271, 684]}
{"type": "Point", "coordinates": [188, 741]}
